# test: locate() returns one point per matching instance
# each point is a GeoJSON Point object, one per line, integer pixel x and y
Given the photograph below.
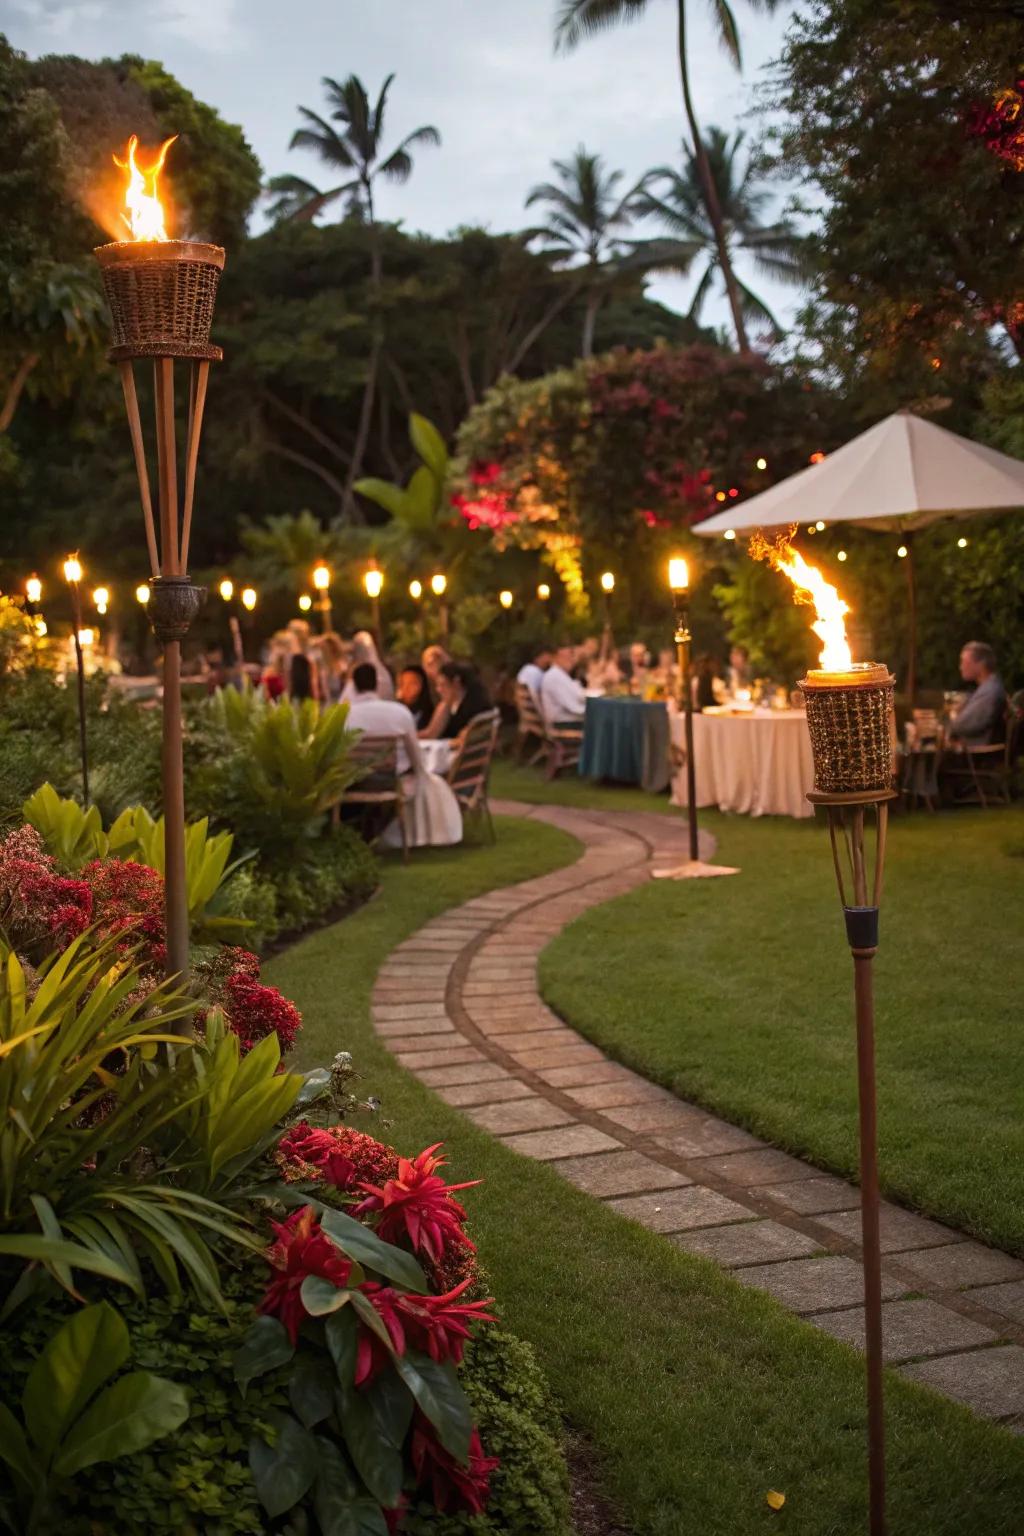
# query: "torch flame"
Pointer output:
{"type": "Point", "coordinates": [145, 216]}
{"type": "Point", "coordinates": [810, 587]}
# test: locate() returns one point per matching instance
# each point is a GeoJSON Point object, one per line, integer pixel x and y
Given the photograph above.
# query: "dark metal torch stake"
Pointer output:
{"type": "Point", "coordinates": [681, 604]}
{"type": "Point", "coordinates": [83, 742]}
{"type": "Point", "coordinates": [846, 813]}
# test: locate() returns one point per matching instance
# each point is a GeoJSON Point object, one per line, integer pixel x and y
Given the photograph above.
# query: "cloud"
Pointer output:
{"type": "Point", "coordinates": [206, 24]}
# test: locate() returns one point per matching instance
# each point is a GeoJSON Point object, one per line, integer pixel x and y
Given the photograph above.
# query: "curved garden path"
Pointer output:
{"type": "Point", "coordinates": [458, 1004]}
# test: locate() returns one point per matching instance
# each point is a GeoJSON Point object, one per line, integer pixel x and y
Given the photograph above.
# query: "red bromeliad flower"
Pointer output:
{"type": "Point", "coordinates": [435, 1325]}
{"type": "Point", "coordinates": [418, 1205]}
{"type": "Point", "coordinates": [302, 1249]}
{"type": "Point", "coordinates": [334, 1155]}
{"type": "Point", "coordinates": [452, 1485]}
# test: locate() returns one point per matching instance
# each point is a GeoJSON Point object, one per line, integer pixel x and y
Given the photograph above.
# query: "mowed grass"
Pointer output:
{"type": "Point", "coordinates": [698, 1396]}
{"type": "Point", "coordinates": [738, 993]}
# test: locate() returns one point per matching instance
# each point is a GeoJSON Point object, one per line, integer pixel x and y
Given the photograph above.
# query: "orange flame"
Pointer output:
{"type": "Point", "coordinates": [145, 216]}
{"type": "Point", "coordinates": [810, 587]}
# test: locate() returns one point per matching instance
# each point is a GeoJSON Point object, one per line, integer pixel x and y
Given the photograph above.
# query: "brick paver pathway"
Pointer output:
{"type": "Point", "coordinates": [458, 1004]}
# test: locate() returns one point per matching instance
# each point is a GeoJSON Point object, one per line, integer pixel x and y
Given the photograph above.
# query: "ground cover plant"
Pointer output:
{"type": "Point", "coordinates": [671, 980]}
{"type": "Point", "coordinates": [697, 1395]}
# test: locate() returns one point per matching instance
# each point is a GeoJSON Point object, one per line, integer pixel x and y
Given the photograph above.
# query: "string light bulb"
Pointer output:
{"type": "Point", "coordinates": [227, 589]}
{"type": "Point", "coordinates": [902, 552]}
{"type": "Point", "coordinates": [142, 593]}
{"type": "Point", "coordinates": [961, 543]}
{"type": "Point", "coordinates": [101, 597]}
{"type": "Point", "coordinates": [820, 526]}
{"type": "Point", "coordinates": [841, 557]}
{"type": "Point", "coordinates": [506, 599]}
{"type": "Point", "coordinates": [415, 590]}
{"type": "Point", "coordinates": [248, 595]}
{"type": "Point", "coordinates": [730, 534]}
{"type": "Point", "coordinates": [608, 581]}
{"type": "Point", "coordinates": [762, 463]}
{"type": "Point", "coordinates": [41, 629]}
{"type": "Point", "coordinates": [321, 577]}
{"type": "Point", "coordinates": [543, 591]}
{"type": "Point", "coordinates": [438, 584]}
{"type": "Point", "coordinates": [373, 581]}
{"type": "Point", "coordinates": [305, 602]}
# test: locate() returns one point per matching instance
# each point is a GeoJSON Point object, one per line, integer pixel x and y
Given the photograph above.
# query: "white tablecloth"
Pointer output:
{"type": "Point", "coordinates": [757, 764]}
{"type": "Point", "coordinates": [436, 755]}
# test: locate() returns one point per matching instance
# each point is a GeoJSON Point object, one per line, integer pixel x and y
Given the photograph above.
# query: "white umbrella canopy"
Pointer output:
{"type": "Point", "coordinates": [900, 475]}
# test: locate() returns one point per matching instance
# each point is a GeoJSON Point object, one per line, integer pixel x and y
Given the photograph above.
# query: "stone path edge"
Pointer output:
{"type": "Point", "coordinates": [458, 1004]}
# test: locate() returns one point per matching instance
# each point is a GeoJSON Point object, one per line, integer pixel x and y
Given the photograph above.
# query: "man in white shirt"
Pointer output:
{"type": "Point", "coordinates": [383, 717]}
{"type": "Point", "coordinates": [561, 696]}
{"type": "Point", "coordinates": [531, 675]}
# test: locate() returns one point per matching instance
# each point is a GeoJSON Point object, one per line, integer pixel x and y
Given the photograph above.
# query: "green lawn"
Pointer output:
{"type": "Point", "coordinates": [698, 1396]}
{"type": "Point", "coordinates": [738, 993]}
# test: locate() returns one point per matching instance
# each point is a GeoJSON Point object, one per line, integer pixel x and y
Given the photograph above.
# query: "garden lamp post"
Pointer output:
{"type": "Point", "coordinates": [849, 716]}
{"type": "Point", "coordinates": [248, 597]}
{"type": "Point", "coordinates": [679, 586]}
{"type": "Point", "coordinates": [416, 593]}
{"type": "Point", "coordinates": [73, 577]}
{"type": "Point", "coordinates": [506, 599]}
{"type": "Point", "coordinates": [439, 586]}
{"type": "Point", "coordinates": [607, 588]}
{"type": "Point", "coordinates": [322, 582]}
{"type": "Point", "coordinates": [161, 294]}
{"type": "Point", "coordinates": [33, 593]}
{"type": "Point", "coordinates": [373, 582]}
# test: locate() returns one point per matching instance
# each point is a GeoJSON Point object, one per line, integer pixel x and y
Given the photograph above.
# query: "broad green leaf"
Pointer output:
{"type": "Point", "coordinates": [14, 1448]}
{"type": "Point", "coordinates": [48, 1251]}
{"type": "Point", "coordinates": [312, 1389]}
{"type": "Point", "coordinates": [264, 1348]}
{"type": "Point", "coordinates": [358, 1242]}
{"type": "Point", "coordinates": [126, 1417]}
{"type": "Point", "coordinates": [392, 1407]}
{"type": "Point", "coordinates": [90, 1347]}
{"type": "Point", "coordinates": [342, 1333]}
{"type": "Point", "coordinates": [390, 497]}
{"type": "Point", "coordinates": [342, 1509]}
{"type": "Point", "coordinates": [320, 1297]}
{"type": "Point", "coordinates": [430, 445]}
{"type": "Point", "coordinates": [438, 1394]}
{"type": "Point", "coordinates": [283, 1472]}
{"type": "Point", "coordinates": [378, 1462]}
{"type": "Point", "coordinates": [420, 501]}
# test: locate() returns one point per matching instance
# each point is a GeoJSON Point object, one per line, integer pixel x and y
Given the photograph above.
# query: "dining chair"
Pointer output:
{"type": "Point", "coordinates": [470, 772]}
{"type": "Point", "coordinates": [529, 727]}
{"type": "Point", "coordinates": [380, 783]}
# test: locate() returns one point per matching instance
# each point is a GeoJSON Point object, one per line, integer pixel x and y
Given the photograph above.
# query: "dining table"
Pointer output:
{"type": "Point", "coordinates": [626, 740]}
{"type": "Point", "coordinates": [755, 762]}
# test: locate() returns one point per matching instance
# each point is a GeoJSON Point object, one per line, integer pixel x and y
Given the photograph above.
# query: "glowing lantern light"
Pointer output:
{"type": "Point", "coordinates": [841, 555]}
{"type": "Point", "coordinates": [415, 590]}
{"type": "Point", "coordinates": [41, 629]}
{"type": "Point", "coordinates": [608, 582]}
{"type": "Point", "coordinates": [142, 593]}
{"type": "Point", "coordinates": [762, 463]}
{"type": "Point", "coordinates": [86, 637]}
{"type": "Point", "coordinates": [820, 526]}
{"type": "Point", "coordinates": [72, 569]}
{"type": "Point", "coordinates": [227, 589]}
{"type": "Point", "coordinates": [438, 584]}
{"type": "Point", "coordinates": [101, 597]}
{"type": "Point", "coordinates": [719, 495]}
{"type": "Point", "coordinates": [678, 574]}
{"type": "Point", "coordinates": [730, 534]}
{"type": "Point", "coordinates": [305, 603]}
{"type": "Point", "coordinates": [249, 598]}
{"type": "Point", "coordinates": [902, 552]}
{"type": "Point", "coordinates": [506, 599]}
{"type": "Point", "coordinates": [34, 589]}
{"type": "Point", "coordinates": [321, 577]}
{"type": "Point", "coordinates": [543, 591]}
{"type": "Point", "coordinates": [961, 543]}
{"type": "Point", "coordinates": [373, 581]}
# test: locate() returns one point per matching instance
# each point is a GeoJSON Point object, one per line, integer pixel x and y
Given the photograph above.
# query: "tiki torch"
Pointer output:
{"type": "Point", "coordinates": [849, 718]}
{"type": "Point", "coordinates": [161, 294]}
{"type": "Point", "coordinates": [73, 577]}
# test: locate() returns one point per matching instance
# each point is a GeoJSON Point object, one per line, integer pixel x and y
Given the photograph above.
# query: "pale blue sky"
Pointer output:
{"type": "Point", "coordinates": [482, 71]}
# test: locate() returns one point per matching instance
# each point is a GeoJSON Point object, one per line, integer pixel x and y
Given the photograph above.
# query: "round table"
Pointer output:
{"type": "Point", "coordinates": [626, 740]}
{"type": "Point", "coordinates": [757, 763]}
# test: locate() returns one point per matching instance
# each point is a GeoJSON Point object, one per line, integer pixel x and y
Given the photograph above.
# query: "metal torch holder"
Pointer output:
{"type": "Point", "coordinates": [847, 813]}
{"type": "Point", "coordinates": [161, 297]}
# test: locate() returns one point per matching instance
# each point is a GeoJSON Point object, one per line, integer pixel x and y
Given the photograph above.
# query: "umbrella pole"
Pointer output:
{"type": "Point", "coordinates": [911, 623]}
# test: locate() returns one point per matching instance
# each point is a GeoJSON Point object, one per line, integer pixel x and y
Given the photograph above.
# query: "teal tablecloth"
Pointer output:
{"type": "Point", "coordinates": [626, 740]}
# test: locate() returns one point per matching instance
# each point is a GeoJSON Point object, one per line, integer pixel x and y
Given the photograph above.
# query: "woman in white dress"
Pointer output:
{"type": "Point", "coordinates": [430, 811]}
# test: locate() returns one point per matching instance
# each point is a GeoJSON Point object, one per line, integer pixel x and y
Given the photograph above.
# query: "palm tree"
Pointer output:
{"type": "Point", "coordinates": [680, 206]}
{"type": "Point", "coordinates": [587, 220]}
{"type": "Point", "coordinates": [577, 19]}
{"type": "Point", "coordinates": [353, 148]}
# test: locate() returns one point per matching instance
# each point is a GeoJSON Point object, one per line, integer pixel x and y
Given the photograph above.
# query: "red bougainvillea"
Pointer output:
{"type": "Point", "coordinates": [417, 1207]}
{"type": "Point", "coordinates": [1000, 124]}
{"type": "Point", "coordinates": [451, 1485]}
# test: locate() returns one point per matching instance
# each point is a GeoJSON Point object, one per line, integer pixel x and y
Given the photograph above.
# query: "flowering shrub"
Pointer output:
{"type": "Point", "coordinates": [41, 910]}
{"type": "Point", "coordinates": [128, 902]}
{"type": "Point", "coordinates": [346, 1288]}
{"type": "Point", "coordinates": [999, 123]}
{"type": "Point", "coordinates": [231, 980]}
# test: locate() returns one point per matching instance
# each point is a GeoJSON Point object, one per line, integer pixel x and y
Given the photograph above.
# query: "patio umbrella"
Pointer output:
{"type": "Point", "coordinates": [899, 476]}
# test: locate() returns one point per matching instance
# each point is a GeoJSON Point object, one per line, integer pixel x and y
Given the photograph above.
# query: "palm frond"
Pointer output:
{"type": "Point", "coordinates": [728, 31]}
{"type": "Point", "coordinates": [323, 139]}
{"type": "Point", "coordinates": [754, 308]}
{"type": "Point", "coordinates": [378, 111]}
{"type": "Point", "coordinates": [577, 19]}
{"type": "Point", "coordinates": [298, 200]}
{"type": "Point", "coordinates": [398, 165]}
{"type": "Point", "coordinates": [701, 292]}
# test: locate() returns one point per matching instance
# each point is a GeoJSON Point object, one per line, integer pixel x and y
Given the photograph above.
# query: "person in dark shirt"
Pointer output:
{"type": "Point", "coordinates": [414, 692]}
{"type": "Point", "coordinates": [463, 695]}
{"type": "Point", "coordinates": [980, 721]}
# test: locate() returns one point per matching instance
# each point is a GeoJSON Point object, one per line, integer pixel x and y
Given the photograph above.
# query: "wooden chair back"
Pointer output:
{"type": "Point", "coordinates": [471, 765]}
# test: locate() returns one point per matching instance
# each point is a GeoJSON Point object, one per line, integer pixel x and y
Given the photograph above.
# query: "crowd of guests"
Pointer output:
{"type": "Point", "coordinates": [561, 675]}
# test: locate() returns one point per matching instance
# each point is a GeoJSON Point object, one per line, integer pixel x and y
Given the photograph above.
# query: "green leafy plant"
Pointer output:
{"type": "Point", "coordinates": [74, 836]}
{"type": "Point", "coordinates": [83, 1099]}
{"type": "Point", "coordinates": [417, 505]}
{"type": "Point", "coordinates": [73, 1416]}
{"type": "Point", "coordinates": [135, 835]}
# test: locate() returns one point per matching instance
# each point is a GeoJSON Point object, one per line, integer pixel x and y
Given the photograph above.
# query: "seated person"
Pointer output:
{"type": "Point", "coordinates": [462, 696]}
{"type": "Point", "coordinates": [708, 687]}
{"type": "Point", "coordinates": [587, 658]}
{"type": "Point", "coordinates": [364, 653]}
{"type": "Point", "coordinates": [430, 811]}
{"type": "Point", "coordinates": [415, 693]}
{"type": "Point", "coordinates": [738, 674]}
{"type": "Point", "coordinates": [562, 698]}
{"type": "Point", "coordinates": [979, 722]}
{"type": "Point", "coordinates": [531, 674]}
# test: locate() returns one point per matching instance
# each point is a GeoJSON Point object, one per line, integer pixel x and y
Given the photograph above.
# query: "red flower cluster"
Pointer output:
{"type": "Point", "coordinates": [1000, 124]}
{"type": "Point", "coordinates": [128, 904]}
{"type": "Point", "coordinates": [40, 909]}
{"type": "Point", "coordinates": [417, 1206]}
{"type": "Point", "coordinates": [252, 1010]}
{"type": "Point", "coordinates": [452, 1485]}
{"type": "Point", "coordinates": [435, 1325]}
{"type": "Point", "coordinates": [336, 1155]}
{"type": "Point", "coordinates": [302, 1249]}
